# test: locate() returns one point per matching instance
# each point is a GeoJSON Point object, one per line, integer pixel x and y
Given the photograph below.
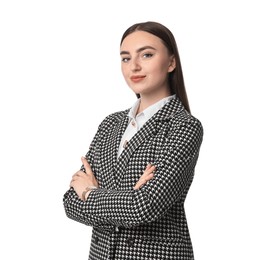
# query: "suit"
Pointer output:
{"type": "Point", "coordinates": [148, 223]}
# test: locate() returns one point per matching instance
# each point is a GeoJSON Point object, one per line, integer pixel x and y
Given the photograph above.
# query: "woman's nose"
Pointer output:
{"type": "Point", "coordinates": [135, 65]}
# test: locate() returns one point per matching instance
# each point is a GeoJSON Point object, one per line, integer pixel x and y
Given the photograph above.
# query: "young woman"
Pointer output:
{"type": "Point", "coordinates": [135, 177]}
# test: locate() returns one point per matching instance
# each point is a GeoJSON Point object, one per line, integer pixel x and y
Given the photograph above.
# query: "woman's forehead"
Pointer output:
{"type": "Point", "coordinates": [139, 39]}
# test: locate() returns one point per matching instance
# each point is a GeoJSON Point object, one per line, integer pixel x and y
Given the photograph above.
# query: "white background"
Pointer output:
{"type": "Point", "coordinates": [60, 76]}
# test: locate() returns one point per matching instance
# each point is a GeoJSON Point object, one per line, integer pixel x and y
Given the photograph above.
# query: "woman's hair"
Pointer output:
{"type": "Point", "coordinates": [176, 79]}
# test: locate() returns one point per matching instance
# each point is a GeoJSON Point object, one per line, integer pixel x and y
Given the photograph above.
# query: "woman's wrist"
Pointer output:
{"type": "Point", "coordinates": [87, 191]}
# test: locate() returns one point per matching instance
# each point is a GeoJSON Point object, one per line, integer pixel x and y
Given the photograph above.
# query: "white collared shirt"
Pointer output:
{"type": "Point", "coordinates": [137, 121]}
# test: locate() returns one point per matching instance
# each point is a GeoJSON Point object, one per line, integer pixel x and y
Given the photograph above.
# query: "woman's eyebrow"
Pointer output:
{"type": "Point", "coordinates": [139, 50]}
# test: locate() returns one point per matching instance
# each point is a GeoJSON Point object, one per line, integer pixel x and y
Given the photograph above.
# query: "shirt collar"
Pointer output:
{"type": "Point", "coordinates": [149, 111]}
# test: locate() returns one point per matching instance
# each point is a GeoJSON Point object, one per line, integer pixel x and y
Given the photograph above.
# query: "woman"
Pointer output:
{"type": "Point", "coordinates": [140, 164]}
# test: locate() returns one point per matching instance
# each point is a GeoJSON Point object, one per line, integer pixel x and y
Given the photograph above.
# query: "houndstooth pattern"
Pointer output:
{"type": "Point", "coordinates": [148, 223]}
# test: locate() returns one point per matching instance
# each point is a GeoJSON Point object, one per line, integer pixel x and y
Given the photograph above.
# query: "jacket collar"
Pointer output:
{"type": "Point", "coordinates": [168, 111]}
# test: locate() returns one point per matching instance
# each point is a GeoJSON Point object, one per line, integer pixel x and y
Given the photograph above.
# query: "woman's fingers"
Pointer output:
{"type": "Point", "coordinates": [84, 178]}
{"type": "Point", "coordinates": [89, 171]}
{"type": "Point", "coordinates": [146, 176]}
{"type": "Point", "coordinates": [86, 166]}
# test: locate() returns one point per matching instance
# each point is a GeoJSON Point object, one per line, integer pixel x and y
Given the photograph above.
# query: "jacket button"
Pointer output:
{"type": "Point", "coordinates": [96, 240]}
{"type": "Point", "coordinates": [130, 241]}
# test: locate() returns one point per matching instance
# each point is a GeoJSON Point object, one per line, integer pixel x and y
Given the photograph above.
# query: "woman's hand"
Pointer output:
{"type": "Point", "coordinates": [147, 175]}
{"type": "Point", "coordinates": [81, 180]}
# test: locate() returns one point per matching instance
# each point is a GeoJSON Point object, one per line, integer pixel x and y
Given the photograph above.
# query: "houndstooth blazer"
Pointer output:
{"type": "Point", "coordinates": [148, 223]}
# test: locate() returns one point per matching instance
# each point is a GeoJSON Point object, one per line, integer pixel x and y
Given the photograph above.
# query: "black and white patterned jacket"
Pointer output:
{"type": "Point", "coordinates": [148, 223]}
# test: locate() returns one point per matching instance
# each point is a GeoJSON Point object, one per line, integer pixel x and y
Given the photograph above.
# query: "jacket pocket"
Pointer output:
{"type": "Point", "coordinates": [159, 249]}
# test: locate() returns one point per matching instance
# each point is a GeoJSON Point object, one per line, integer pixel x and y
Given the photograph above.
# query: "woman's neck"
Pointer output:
{"type": "Point", "coordinates": [148, 100]}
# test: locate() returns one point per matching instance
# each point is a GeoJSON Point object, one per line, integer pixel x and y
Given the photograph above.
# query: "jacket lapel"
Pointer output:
{"type": "Point", "coordinates": [109, 149]}
{"type": "Point", "coordinates": [149, 129]}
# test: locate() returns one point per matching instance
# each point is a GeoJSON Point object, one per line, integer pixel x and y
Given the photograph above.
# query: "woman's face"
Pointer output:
{"type": "Point", "coordinates": [146, 63]}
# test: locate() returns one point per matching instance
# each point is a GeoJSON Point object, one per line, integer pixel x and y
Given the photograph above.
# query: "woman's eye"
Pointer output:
{"type": "Point", "coordinates": [147, 55]}
{"type": "Point", "coordinates": [125, 59]}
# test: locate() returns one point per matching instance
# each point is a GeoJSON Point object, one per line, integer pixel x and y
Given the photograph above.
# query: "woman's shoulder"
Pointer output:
{"type": "Point", "coordinates": [177, 114]}
{"type": "Point", "coordinates": [183, 120]}
{"type": "Point", "coordinates": [184, 117]}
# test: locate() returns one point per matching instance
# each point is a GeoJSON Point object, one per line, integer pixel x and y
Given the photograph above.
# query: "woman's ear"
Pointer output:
{"type": "Point", "coordinates": [172, 64]}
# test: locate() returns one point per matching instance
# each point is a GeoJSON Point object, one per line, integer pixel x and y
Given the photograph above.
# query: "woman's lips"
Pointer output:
{"type": "Point", "coordinates": [137, 78]}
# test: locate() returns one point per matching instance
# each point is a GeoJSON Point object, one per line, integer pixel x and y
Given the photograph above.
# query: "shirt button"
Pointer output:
{"type": "Point", "coordinates": [133, 123]}
{"type": "Point", "coordinates": [125, 144]}
{"type": "Point", "coordinates": [130, 241]}
{"type": "Point", "coordinates": [96, 240]}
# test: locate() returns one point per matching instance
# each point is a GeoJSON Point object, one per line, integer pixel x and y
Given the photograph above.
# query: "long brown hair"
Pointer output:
{"type": "Point", "coordinates": [176, 79]}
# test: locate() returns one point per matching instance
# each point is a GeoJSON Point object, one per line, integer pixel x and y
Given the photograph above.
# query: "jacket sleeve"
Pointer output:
{"type": "Point", "coordinates": [71, 202]}
{"type": "Point", "coordinates": [174, 174]}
